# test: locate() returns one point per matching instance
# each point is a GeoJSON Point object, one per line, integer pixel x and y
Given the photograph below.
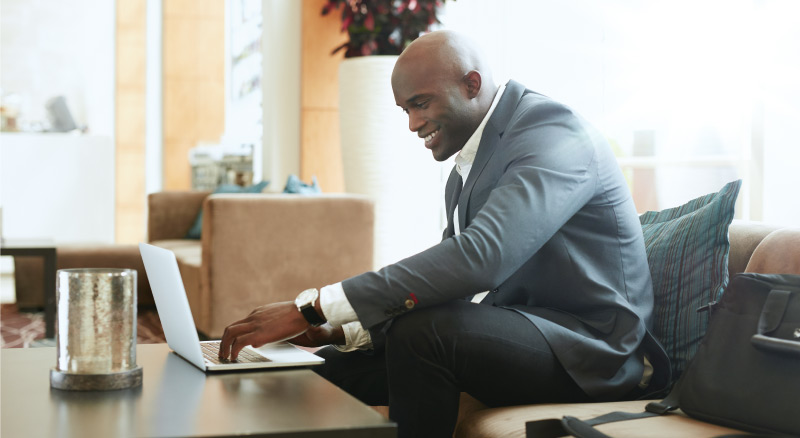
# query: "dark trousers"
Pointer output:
{"type": "Point", "coordinates": [432, 355]}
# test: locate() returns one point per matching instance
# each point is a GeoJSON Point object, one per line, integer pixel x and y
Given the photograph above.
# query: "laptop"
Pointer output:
{"type": "Point", "coordinates": [181, 333]}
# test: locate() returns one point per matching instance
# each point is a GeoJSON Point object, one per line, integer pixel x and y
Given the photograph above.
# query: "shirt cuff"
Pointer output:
{"type": "Point", "coordinates": [356, 338]}
{"type": "Point", "coordinates": [335, 306]}
{"type": "Point", "coordinates": [339, 312]}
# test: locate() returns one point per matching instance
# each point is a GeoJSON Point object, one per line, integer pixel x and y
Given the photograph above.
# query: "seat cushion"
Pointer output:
{"type": "Point", "coordinates": [187, 251]}
{"type": "Point", "coordinates": [510, 422]}
{"type": "Point", "coordinates": [189, 255]}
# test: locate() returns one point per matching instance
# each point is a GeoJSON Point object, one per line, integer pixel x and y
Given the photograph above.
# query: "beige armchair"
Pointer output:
{"type": "Point", "coordinates": [260, 248]}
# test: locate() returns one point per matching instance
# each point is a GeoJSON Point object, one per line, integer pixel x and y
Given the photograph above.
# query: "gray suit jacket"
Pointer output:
{"type": "Point", "coordinates": [549, 227]}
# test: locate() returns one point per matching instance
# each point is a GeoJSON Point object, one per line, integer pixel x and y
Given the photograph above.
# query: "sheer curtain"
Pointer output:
{"type": "Point", "coordinates": [690, 94]}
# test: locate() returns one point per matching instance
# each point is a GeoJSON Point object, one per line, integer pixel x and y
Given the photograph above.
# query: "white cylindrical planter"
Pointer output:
{"type": "Point", "coordinates": [386, 161]}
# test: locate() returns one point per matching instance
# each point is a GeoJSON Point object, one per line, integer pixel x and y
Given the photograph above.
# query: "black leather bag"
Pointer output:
{"type": "Point", "coordinates": [746, 373]}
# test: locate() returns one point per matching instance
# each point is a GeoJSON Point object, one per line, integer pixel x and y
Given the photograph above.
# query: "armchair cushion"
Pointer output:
{"type": "Point", "coordinates": [197, 227]}
{"type": "Point", "coordinates": [687, 250]}
{"type": "Point", "coordinates": [265, 248]}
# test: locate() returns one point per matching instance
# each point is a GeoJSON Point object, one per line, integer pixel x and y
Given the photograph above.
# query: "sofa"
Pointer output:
{"type": "Point", "coordinates": [259, 248]}
{"type": "Point", "coordinates": [754, 247]}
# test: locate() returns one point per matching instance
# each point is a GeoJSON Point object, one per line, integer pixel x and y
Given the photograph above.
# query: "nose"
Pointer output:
{"type": "Point", "coordinates": [415, 122]}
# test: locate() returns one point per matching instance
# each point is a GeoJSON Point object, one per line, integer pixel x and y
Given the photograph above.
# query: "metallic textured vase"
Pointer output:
{"type": "Point", "coordinates": [96, 335]}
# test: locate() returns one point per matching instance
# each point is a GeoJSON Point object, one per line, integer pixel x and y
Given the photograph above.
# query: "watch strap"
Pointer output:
{"type": "Point", "coordinates": [311, 315]}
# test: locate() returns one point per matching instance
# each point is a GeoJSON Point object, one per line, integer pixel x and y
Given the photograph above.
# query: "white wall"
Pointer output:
{"type": "Point", "coordinates": [57, 186]}
{"type": "Point", "coordinates": [56, 47]}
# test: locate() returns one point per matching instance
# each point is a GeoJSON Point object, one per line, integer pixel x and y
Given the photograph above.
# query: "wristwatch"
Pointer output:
{"type": "Point", "coordinates": [305, 304]}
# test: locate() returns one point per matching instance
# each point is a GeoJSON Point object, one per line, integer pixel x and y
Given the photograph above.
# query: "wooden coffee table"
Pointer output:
{"type": "Point", "coordinates": [46, 249]}
{"type": "Point", "coordinates": [178, 400]}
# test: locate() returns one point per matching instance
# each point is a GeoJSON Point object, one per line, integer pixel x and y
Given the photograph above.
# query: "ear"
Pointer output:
{"type": "Point", "coordinates": [473, 82]}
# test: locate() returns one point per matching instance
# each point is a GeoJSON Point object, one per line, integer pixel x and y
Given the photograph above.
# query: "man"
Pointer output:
{"type": "Point", "coordinates": [540, 289]}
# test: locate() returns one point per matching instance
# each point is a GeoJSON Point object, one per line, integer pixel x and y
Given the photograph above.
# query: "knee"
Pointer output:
{"type": "Point", "coordinates": [421, 332]}
{"type": "Point", "coordinates": [412, 325]}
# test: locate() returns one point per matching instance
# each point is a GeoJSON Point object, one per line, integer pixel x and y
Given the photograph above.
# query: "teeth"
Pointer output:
{"type": "Point", "coordinates": [430, 136]}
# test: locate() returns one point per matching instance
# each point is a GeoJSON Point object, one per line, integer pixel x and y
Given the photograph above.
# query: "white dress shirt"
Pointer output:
{"type": "Point", "coordinates": [332, 300]}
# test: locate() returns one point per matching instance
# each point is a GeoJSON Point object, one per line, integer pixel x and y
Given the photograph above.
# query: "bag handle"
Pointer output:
{"type": "Point", "coordinates": [771, 317]}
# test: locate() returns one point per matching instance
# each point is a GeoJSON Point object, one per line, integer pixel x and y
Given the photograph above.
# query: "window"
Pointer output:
{"type": "Point", "coordinates": [690, 94]}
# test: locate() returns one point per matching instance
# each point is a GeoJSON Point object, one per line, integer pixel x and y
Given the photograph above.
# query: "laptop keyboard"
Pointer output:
{"type": "Point", "coordinates": [211, 353]}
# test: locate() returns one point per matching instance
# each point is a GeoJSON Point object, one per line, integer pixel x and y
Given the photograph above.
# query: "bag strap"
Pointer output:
{"type": "Point", "coordinates": [554, 428]}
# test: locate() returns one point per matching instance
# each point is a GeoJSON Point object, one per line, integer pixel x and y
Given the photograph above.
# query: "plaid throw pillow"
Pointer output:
{"type": "Point", "coordinates": [687, 249]}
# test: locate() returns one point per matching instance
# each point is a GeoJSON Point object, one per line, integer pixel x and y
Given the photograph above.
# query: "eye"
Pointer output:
{"type": "Point", "coordinates": [423, 104]}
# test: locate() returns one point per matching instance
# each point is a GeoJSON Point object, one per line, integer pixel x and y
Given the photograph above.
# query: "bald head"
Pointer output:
{"type": "Point", "coordinates": [442, 81]}
{"type": "Point", "coordinates": [448, 52]}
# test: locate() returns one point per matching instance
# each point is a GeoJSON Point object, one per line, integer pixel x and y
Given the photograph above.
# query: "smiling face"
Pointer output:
{"type": "Point", "coordinates": [441, 99]}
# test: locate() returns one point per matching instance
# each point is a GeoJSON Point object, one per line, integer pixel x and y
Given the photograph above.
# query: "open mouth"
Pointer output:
{"type": "Point", "coordinates": [429, 138]}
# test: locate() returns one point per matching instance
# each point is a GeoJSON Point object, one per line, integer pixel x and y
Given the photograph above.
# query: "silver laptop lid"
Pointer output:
{"type": "Point", "coordinates": [173, 306]}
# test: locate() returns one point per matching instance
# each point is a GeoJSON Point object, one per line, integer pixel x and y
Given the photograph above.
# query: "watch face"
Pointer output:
{"type": "Point", "coordinates": [306, 297]}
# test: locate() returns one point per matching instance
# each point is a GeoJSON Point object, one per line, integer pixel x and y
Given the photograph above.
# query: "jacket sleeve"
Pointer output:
{"type": "Point", "coordinates": [537, 177]}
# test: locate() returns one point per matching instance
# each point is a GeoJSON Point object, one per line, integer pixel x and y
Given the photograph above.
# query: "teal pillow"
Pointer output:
{"type": "Point", "coordinates": [294, 185]}
{"type": "Point", "coordinates": [687, 249]}
{"type": "Point", "coordinates": [197, 228]}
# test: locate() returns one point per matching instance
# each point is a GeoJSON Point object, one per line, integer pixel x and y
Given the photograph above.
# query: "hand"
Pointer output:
{"type": "Point", "coordinates": [320, 336]}
{"type": "Point", "coordinates": [270, 323]}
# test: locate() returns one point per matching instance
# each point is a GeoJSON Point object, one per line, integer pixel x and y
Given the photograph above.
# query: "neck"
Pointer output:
{"type": "Point", "coordinates": [485, 100]}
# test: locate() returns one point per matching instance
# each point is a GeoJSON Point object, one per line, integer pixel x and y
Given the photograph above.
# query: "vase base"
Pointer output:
{"type": "Point", "coordinates": [95, 382]}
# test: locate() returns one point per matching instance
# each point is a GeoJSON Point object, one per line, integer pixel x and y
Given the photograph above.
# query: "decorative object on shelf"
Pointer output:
{"type": "Point", "coordinates": [381, 158]}
{"type": "Point", "coordinates": [59, 115]}
{"type": "Point", "coordinates": [383, 27]}
{"type": "Point", "coordinates": [96, 337]}
{"type": "Point", "coordinates": [216, 165]}
{"type": "Point", "coordinates": [9, 111]}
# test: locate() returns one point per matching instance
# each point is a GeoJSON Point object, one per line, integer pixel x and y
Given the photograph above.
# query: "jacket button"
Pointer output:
{"type": "Point", "coordinates": [409, 304]}
{"type": "Point", "coordinates": [494, 291]}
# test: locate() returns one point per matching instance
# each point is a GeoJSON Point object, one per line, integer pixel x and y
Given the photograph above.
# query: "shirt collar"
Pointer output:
{"type": "Point", "coordinates": [467, 154]}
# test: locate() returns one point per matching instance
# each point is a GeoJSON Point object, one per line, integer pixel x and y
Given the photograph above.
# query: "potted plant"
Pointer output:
{"type": "Point", "coordinates": [379, 153]}
{"type": "Point", "coordinates": [383, 27]}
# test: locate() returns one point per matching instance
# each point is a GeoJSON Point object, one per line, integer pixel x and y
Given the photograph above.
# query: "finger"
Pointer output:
{"type": "Point", "coordinates": [240, 342]}
{"type": "Point", "coordinates": [236, 347]}
{"type": "Point", "coordinates": [231, 333]}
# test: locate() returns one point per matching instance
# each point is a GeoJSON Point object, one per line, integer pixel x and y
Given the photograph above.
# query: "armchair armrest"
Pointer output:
{"type": "Point", "coordinates": [263, 248]}
{"type": "Point", "coordinates": [170, 214]}
{"type": "Point", "coordinates": [778, 253]}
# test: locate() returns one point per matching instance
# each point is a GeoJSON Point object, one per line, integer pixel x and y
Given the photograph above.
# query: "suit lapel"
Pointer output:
{"type": "Point", "coordinates": [492, 133]}
{"type": "Point", "coordinates": [452, 191]}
